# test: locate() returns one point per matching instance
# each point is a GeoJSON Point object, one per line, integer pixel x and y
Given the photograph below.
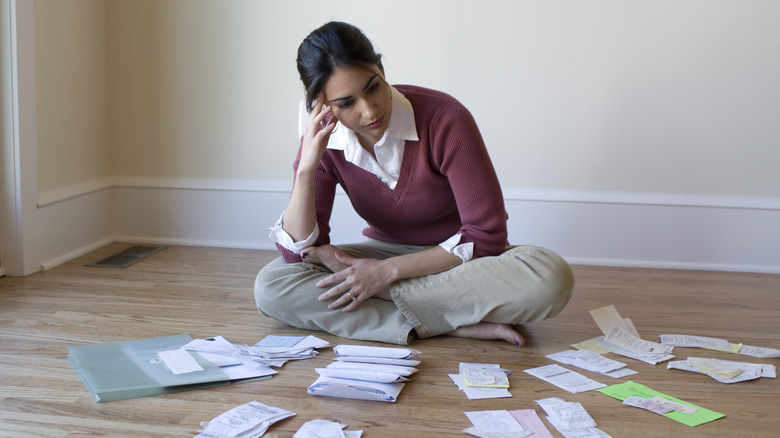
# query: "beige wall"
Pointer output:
{"type": "Point", "coordinates": [627, 96]}
{"type": "Point", "coordinates": [71, 92]}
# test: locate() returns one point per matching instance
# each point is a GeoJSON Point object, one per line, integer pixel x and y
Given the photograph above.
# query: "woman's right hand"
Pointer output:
{"type": "Point", "coordinates": [316, 134]}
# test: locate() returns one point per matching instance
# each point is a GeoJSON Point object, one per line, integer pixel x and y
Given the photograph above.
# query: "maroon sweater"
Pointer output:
{"type": "Point", "coordinates": [447, 184]}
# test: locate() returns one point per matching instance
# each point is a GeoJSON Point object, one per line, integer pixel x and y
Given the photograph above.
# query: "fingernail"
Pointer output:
{"type": "Point", "coordinates": [304, 255]}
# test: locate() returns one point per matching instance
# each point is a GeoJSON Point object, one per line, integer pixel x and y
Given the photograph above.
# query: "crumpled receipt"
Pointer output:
{"type": "Point", "coordinates": [250, 420]}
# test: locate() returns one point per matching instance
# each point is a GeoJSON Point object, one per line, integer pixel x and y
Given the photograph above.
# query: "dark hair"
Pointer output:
{"type": "Point", "coordinates": [333, 45]}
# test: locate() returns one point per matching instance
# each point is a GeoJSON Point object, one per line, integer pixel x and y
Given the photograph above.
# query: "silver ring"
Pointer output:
{"type": "Point", "coordinates": [350, 295]}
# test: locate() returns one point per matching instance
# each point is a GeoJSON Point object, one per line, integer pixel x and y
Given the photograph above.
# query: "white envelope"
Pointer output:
{"type": "Point", "coordinates": [362, 375]}
{"type": "Point", "coordinates": [393, 369]}
{"type": "Point", "coordinates": [382, 360]}
{"type": "Point", "coordinates": [363, 350]}
{"type": "Point", "coordinates": [344, 388]}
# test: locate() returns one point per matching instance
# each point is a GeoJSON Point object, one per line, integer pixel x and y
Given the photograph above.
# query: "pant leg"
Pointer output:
{"type": "Point", "coordinates": [524, 284]}
{"type": "Point", "coordinates": [287, 292]}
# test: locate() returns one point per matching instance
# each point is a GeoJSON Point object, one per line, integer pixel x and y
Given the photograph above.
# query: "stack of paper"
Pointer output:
{"type": "Point", "coordinates": [507, 424]}
{"type": "Point", "coordinates": [481, 380]}
{"type": "Point", "coordinates": [276, 350]}
{"type": "Point", "coordinates": [621, 337]}
{"type": "Point", "coordinates": [228, 357]}
{"type": "Point", "coordinates": [250, 420]}
{"type": "Point", "coordinates": [570, 418]}
{"type": "Point", "coordinates": [366, 373]}
{"type": "Point", "coordinates": [725, 371]}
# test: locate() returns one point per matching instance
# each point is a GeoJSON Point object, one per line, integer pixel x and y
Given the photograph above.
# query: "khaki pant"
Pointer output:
{"type": "Point", "coordinates": [524, 284]}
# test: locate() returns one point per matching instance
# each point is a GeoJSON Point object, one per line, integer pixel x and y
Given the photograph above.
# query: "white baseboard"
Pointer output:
{"type": "Point", "coordinates": [589, 228]}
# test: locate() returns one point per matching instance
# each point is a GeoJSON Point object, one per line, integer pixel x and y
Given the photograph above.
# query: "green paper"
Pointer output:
{"type": "Point", "coordinates": [127, 369]}
{"type": "Point", "coordinates": [622, 391]}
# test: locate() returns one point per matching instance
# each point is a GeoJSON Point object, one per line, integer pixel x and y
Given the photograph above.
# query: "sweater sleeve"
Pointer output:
{"type": "Point", "coordinates": [461, 155]}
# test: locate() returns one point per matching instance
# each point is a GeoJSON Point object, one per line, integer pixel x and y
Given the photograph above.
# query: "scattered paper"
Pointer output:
{"type": "Point", "coordinates": [622, 391]}
{"type": "Point", "coordinates": [272, 341]}
{"type": "Point", "coordinates": [759, 352]}
{"type": "Point", "coordinates": [648, 404]}
{"type": "Point", "coordinates": [607, 318]}
{"type": "Point", "coordinates": [710, 366]}
{"type": "Point", "coordinates": [218, 350]}
{"type": "Point", "coordinates": [693, 341]}
{"type": "Point", "coordinates": [740, 371]}
{"type": "Point", "coordinates": [592, 361]}
{"type": "Point", "coordinates": [679, 407]}
{"type": "Point", "coordinates": [179, 361]}
{"type": "Point", "coordinates": [479, 393]}
{"type": "Point", "coordinates": [531, 421]}
{"type": "Point", "coordinates": [593, 345]}
{"type": "Point", "coordinates": [495, 424]}
{"type": "Point", "coordinates": [250, 420]}
{"type": "Point", "coordinates": [570, 418]}
{"type": "Point", "coordinates": [564, 378]}
{"type": "Point", "coordinates": [325, 429]}
{"type": "Point", "coordinates": [621, 337]}
{"type": "Point", "coordinates": [483, 375]}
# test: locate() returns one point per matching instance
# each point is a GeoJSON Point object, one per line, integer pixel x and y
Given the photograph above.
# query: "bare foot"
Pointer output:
{"type": "Point", "coordinates": [324, 255]}
{"type": "Point", "coordinates": [489, 330]}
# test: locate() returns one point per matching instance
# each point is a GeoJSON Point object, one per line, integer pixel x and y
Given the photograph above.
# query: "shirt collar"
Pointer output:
{"type": "Point", "coordinates": [401, 126]}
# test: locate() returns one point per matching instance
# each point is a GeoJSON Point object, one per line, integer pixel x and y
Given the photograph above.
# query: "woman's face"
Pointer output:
{"type": "Point", "coordinates": [360, 99]}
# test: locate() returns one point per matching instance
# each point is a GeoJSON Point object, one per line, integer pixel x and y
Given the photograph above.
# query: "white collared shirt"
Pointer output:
{"type": "Point", "coordinates": [389, 150]}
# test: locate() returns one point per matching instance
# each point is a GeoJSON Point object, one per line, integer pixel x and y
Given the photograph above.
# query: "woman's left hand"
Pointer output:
{"type": "Point", "coordinates": [361, 280]}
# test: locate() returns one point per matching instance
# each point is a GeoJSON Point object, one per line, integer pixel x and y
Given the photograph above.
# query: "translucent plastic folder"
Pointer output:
{"type": "Point", "coordinates": [128, 369]}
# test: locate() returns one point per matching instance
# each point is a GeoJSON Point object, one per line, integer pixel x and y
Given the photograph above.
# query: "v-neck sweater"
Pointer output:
{"type": "Point", "coordinates": [447, 184]}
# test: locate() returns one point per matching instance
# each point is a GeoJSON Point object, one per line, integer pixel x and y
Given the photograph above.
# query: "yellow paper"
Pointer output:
{"type": "Point", "coordinates": [733, 348]}
{"type": "Point", "coordinates": [709, 366]}
{"type": "Point", "coordinates": [592, 345]}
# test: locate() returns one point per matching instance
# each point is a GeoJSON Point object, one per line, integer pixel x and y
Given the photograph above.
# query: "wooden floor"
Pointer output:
{"type": "Point", "coordinates": [206, 292]}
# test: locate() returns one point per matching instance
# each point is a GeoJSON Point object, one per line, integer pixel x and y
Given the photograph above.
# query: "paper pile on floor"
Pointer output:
{"type": "Point", "coordinates": [518, 423]}
{"type": "Point", "coordinates": [570, 418]}
{"type": "Point", "coordinates": [250, 420]}
{"type": "Point", "coordinates": [480, 381]}
{"type": "Point", "coordinates": [366, 373]}
{"type": "Point", "coordinates": [241, 361]}
{"type": "Point", "coordinates": [621, 337]}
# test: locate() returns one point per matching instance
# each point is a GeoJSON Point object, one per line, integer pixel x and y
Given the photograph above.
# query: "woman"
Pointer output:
{"type": "Point", "coordinates": [415, 167]}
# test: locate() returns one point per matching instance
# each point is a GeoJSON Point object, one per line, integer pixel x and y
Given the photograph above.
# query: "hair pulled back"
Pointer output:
{"type": "Point", "coordinates": [333, 45]}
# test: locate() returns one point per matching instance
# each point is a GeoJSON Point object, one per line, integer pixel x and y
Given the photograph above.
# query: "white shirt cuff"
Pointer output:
{"type": "Point", "coordinates": [464, 250]}
{"type": "Point", "coordinates": [281, 237]}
